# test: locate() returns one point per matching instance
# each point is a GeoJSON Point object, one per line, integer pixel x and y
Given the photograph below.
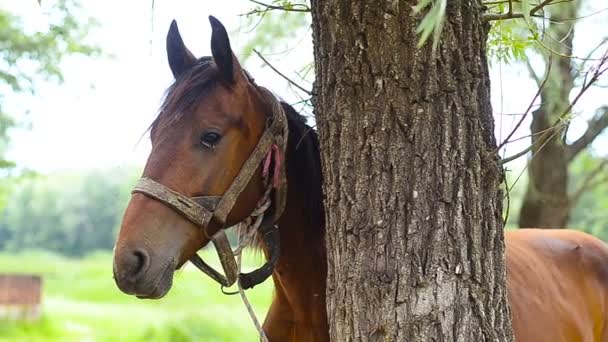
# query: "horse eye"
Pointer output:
{"type": "Point", "coordinates": [210, 139]}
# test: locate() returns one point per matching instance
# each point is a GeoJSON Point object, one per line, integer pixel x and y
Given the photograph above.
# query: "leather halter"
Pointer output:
{"type": "Point", "coordinates": [211, 211]}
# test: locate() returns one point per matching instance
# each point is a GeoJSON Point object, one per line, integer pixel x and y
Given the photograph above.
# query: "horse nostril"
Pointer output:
{"type": "Point", "coordinates": [139, 263]}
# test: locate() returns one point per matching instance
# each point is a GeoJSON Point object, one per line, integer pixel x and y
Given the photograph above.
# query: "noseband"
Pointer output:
{"type": "Point", "coordinates": [212, 211]}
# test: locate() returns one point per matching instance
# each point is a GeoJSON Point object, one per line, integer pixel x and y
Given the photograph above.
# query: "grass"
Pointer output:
{"type": "Point", "coordinates": [82, 303]}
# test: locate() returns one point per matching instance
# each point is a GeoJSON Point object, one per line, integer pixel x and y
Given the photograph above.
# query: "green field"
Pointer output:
{"type": "Point", "coordinates": [81, 303]}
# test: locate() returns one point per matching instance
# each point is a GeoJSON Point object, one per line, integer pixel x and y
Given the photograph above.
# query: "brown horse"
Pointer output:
{"type": "Point", "coordinates": [213, 116]}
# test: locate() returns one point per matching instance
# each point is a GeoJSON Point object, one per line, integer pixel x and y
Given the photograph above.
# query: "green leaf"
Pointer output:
{"type": "Point", "coordinates": [432, 22]}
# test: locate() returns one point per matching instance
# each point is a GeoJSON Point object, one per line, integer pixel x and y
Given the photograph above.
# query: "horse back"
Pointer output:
{"type": "Point", "coordinates": [557, 285]}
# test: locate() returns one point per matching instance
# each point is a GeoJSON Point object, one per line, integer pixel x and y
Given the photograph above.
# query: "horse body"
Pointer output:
{"type": "Point", "coordinates": [212, 118]}
{"type": "Point", "coordinates": [557, 282]}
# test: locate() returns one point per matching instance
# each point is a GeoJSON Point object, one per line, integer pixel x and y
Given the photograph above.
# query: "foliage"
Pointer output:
{"type": "Point", "coordinates": [508, 41]}
{"type": "Point", "coordinates": [64, 35]}
{"type": "Point", "coordinates": [273, 30]}
{"type": "Point", "coordinates": [432, 22]}
{"type": "Point", "coordinates": [589, 213]}
{"type": "Point", "coordinates": [27, 55]}
{"type": "Point", "coordinates": [68, 213]}
{"type": "Point", "coordinates": [81, 302]}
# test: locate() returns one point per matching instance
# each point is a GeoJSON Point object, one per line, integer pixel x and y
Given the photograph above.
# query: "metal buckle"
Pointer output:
{"type": "Point", "coordinates": [207, 202]}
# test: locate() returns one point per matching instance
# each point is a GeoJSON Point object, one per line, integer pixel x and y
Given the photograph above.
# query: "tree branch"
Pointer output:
{"type": "Point", "coordinates": [540, 6]}
{"type": "Point", "coordinates": [280, 74]}
{"type": "Point", "coordinates": [511, 15]}
{"type": "Point", "coordinates": [489, 3]}
{"type": "Point", "coordinates": [595, 128]}
{"type": "Point", "coordinates": [532, 72]}
{"type": "Point", "coordinates": [595, 72]}
{"type": "Point", "coordinates": [516, 156]}
{"type": "Point", "coordinates": [521, 120]}
{"type": "Point", "coordinates": [268, 7]}
{"type": "Point", "coordinates": [556, 128]}
{"type": "Point", "coordinates": [588, 57]}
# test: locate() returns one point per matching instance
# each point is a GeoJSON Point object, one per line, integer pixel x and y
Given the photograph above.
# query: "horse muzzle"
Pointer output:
{"type": "Point", "coordinates": [135, 273]}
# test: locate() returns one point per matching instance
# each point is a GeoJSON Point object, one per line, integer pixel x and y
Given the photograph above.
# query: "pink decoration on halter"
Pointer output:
{"type": "Point", "coordinates": [278, 161]}
{"type": "Point", "coordinates": [273, 153]}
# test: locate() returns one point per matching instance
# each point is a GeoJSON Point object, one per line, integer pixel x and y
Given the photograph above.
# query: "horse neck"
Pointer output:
{"type": "Point", "coordinates": [302, 267]}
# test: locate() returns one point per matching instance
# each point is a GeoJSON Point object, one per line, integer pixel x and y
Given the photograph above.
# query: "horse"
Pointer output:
{"type": "Point", "coordinates": [208, 133]}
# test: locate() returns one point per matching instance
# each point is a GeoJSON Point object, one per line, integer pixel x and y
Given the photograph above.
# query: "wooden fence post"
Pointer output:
{"type": "Point", "coordinates": [20, 296]}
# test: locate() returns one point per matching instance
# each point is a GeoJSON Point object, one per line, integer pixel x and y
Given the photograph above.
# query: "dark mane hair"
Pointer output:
{"type": "Point", "coordinates": [303, 157]}
{"type": "Point", "coordinates": [185, 92]}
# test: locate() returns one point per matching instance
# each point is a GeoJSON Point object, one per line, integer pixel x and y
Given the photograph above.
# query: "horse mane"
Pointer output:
{"type": "Point", "coordinates": [303, 157]}
{"type": "Point", "coordinates": [183, 95]}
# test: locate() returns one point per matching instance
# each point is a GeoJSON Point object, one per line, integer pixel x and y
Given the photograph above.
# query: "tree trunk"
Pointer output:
{"type": "Point", "coordinates": [414, 229]}
{"type": "Point", "coordinates": [546, 203]}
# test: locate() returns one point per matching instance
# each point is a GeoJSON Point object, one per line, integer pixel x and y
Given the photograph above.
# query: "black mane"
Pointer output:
{"type": "Point", "coordinates": [186, 91]}
{"type": "Point", "coordinates": [304, 156]}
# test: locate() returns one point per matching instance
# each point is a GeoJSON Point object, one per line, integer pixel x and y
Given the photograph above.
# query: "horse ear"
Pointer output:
{"type": "Point", "coordinates": [221, 51]}
{"type": "Point", "coordinates": [180, 58]}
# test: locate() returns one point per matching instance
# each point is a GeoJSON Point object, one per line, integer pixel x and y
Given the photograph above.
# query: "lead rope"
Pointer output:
{"type": "Point", "coordinates": [253, 225]}
{"type": "Point", "coordinates": [258, 213]}
{"type": "Point", "coordinates": [254, 318]}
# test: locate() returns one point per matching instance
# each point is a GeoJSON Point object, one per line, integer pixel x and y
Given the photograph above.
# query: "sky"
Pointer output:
{"type": "Point", "coordinates": [98, 117]}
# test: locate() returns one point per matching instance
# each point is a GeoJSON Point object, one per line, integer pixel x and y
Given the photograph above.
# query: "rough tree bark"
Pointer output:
{"type": "Point", "coordinates": [414, 229]}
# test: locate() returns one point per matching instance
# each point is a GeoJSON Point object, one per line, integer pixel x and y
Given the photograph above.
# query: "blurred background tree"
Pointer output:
{"type": "Point", "coordinates": [72, 213]}
{"type": "Point", "coordinates": [29, 56]}
{"type": "Point", "coordinates": [565, 168]}
{"type": "Point", "coordinates": [550, 195]}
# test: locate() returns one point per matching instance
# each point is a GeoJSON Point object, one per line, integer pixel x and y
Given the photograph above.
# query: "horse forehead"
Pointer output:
{"type": "Point", "coordinates": [234, 108]}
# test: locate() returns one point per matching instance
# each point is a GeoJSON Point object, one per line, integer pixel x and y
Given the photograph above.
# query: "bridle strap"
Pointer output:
{"type": "Point", "coordinates": [239, 183]}
{"type": "Point", "coordinates": [270, 236]}
{"type": "Point", "coordinates": [221, 243]}
{"type": "Point", "coordinates": [184, 205]}
{"type": "Point", "coordinates": [198, 210]}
